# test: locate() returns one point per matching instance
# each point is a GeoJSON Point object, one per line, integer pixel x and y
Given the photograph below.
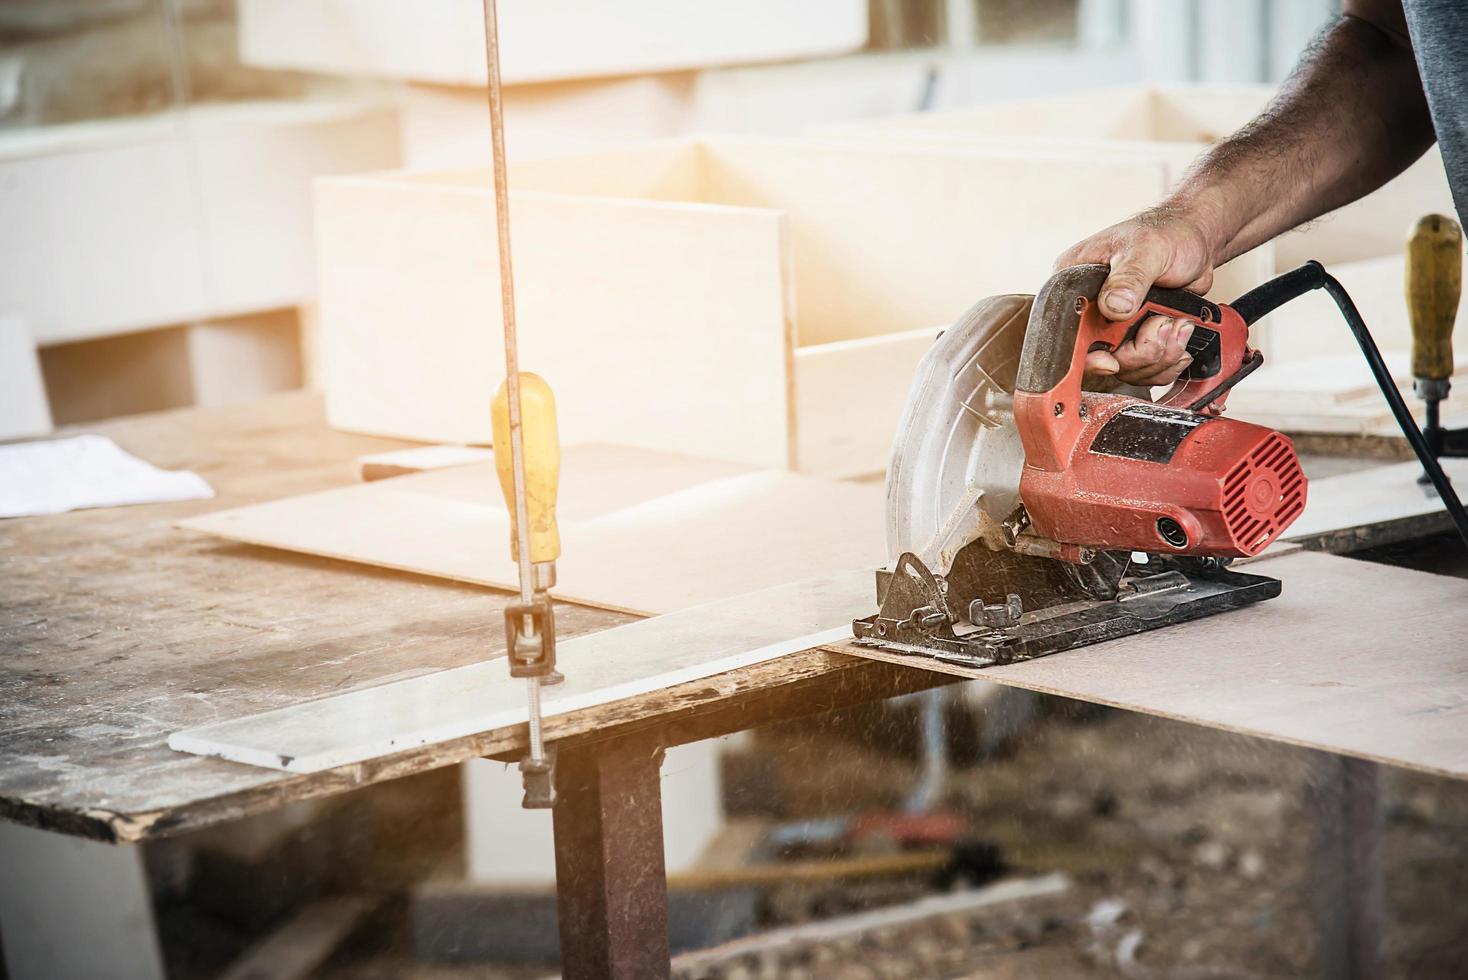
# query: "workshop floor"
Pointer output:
{"type": "Point", "coordinates": [1189, 850]}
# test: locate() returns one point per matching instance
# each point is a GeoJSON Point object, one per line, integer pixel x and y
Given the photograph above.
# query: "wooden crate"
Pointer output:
{"type": "Point", "coordinates": [122, 225]}
{"type": "Point", "coordinates": [755, 300]}
{"type": "Point", "coordinates": [1173, 125]}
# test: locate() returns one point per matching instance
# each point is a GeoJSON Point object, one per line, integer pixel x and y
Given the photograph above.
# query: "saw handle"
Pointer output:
{"type": "Point", "coordinates": [1066, 324]}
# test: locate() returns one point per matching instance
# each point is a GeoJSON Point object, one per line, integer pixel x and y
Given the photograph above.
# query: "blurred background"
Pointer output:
{"type": "Point", "coordinates": [157, 155]}
{"type": "Point", "coordinates": [157, 160]}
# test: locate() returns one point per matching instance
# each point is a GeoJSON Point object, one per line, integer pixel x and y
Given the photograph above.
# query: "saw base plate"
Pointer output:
{"type": "Point", "coordinates": [918, 616]}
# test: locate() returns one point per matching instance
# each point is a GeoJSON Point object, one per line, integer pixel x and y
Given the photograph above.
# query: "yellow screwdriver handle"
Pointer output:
{"type": "Point", "coordinates": [542, 464]}
{"type": "Point", "coordinates": [1434, 283]}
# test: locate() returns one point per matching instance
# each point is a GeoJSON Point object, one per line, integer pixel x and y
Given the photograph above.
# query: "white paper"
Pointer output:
{"type": "Point", "coordinates": [85, 471]}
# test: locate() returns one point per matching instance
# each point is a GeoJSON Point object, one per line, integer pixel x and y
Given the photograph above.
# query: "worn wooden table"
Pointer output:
{"type": "Point", "coordinates": [116, 630]}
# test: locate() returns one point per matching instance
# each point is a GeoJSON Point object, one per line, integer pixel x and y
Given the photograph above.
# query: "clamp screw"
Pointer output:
{"type": "Point", "coordinates": [1059, 409]}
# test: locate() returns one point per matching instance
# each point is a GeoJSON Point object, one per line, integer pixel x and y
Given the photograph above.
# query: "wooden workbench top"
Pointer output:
{"type": "Point", "coordinates": [117, 629]}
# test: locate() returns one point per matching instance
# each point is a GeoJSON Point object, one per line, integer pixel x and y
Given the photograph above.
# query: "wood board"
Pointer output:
{"type": "Point", "coordinates": [401, 462]}
{"type": "Point", "coordinates": [1373, 498]}
{"type": "Point", "coordinates": [1171, 125]}
{"type": "Point", "coordinates": [643, 532]}
{"type": "Point", "coordinates": [692, 644]}
{"type": "Point", "coordinates": [221, 194]}
{"type": "Point", "coordinates": [749, 252]}
{"type": "Point", "coordinates": [863, 377]}
{"type": "Point", "coordinates": [442, 41]}
{"type": "Point", "coordinates": [1357, 658]}
{"type": "Point", "coordinates": [1323, 382]}
{"type": "Point", "coordinates": [650, 532]}
{"type": "Point", "coordinates": [410, 311]}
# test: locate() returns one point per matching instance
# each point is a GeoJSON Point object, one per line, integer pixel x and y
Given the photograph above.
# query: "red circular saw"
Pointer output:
{"type": "Point", "coordinates": [1027, 515]}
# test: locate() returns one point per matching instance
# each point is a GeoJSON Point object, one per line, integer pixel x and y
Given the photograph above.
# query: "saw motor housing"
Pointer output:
{"type": "Point", "coordinates": [1116, 472]}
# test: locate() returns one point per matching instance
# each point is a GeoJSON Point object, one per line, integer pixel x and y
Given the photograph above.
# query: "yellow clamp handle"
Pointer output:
{"type": "Point", "coordinates": [1434, 283]}
{"type": "Point", "coordinates": [542, 463]}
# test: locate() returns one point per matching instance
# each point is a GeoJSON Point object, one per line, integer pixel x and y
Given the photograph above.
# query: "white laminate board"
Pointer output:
{"type": "Point", "coordinates": [641, 531]}
{"type": "Point", "coordinates": [119, 225]}
{"type": "Point", "coordinates": [601, 668]}
{"type": "Point", "coordinates": [442, 41]}
{"type": "Point", "coordinates": [1353, 657]}
{"type": "Point", "coordinates": [1379, 495]}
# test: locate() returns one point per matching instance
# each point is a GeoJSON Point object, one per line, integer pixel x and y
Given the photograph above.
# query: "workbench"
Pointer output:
{"type": "Point", "coordinates": [116, 630]}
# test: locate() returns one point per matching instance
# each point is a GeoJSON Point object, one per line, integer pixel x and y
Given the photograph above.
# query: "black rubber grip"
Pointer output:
{"type": "Point", "coordinates": [1190, 305]}
{"type": "Point", "coordinates": [1270, 296]}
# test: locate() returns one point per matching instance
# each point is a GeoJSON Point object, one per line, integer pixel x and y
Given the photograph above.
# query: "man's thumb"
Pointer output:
{"type": "Point", "coordinates": [1132, 274]}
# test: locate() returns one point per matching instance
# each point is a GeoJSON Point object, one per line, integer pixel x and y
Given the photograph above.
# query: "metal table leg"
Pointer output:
{"type": "Point", "coordinates": [1347, 890]}
{"type": "Point", "coordinates": [612, 888]}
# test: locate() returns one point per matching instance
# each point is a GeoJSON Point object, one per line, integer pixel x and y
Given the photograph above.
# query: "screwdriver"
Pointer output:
{"type": "Point", "coordinates": [527, 457]}
{"type": "Point", "coordinates": [1434, 282]}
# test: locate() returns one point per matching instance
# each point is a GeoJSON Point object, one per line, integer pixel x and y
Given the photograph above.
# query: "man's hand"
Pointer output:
{"type": "Point", "coordinates": [1165, 247]}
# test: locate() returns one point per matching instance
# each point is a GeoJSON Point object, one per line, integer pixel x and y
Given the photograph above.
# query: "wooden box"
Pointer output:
{"type": "Point", "coordinates": [1173, 125]}
{"type": "Point", "coordinates": [120, 225]}
{"type": "Point", "coordinates": [755, 300]}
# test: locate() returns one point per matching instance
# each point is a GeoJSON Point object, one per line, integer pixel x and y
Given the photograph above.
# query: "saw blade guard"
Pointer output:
{"type": "Point", "coordinates": [956, 458]}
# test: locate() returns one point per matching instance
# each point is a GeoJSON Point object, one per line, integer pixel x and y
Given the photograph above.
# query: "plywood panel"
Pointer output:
{"type": "Point", "coordinates": [1109, 114]}
{"type": "Point", "coordinates": [742, 249]}
{"type": "Point", "coordinates": [220, 194]}
{"type": "Point", "coordinates": [541, 40]}
{"type": "Point", "coordinates": [1377, 224]}
{"type": "Point", "coordinates": [1356, 658]}
{"type": "Point", "coordinates": [1185, 114]}
{"type": "Point", "coordinates": [1174, 125]}
{"type": "Point", "coordinates": [699, 642]}
{"type": "Point", "coordinates": [889, 239]}
{"type": "Point", "coordinates": [848, 398]}
{"type": "Point", "coordinates": [657, 326]}
{"type": "Point", "coordinates": [1381, 495]}
{"type": "Point", "coordinates": [445, 127]}
{"type": "Point", "coordinates": [644, 532]}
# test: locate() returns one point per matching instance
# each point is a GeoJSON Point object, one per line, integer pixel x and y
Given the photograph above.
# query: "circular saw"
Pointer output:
{"type": "Point", "coordinates": [1028, 515]}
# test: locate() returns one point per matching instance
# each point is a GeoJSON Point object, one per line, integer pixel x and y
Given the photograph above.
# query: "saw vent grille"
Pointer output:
{"type": "Point", "coordinates": [1263, 494]}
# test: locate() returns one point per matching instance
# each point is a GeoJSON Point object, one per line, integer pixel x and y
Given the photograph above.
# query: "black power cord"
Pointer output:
{"type": "Point", "coordinates": [1312, 275]}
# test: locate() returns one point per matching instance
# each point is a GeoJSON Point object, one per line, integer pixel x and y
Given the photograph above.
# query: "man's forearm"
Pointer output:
{"type": "Point", "coordinates": [1351, 117]}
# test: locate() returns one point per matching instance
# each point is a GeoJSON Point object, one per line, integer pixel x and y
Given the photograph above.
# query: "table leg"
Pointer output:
{"type": "Point", "coordinates": [73, 908]}
{"type": "Point", "coordinates": [611, 886]}
{"type": "Point", "coordinates": [1346, 873]}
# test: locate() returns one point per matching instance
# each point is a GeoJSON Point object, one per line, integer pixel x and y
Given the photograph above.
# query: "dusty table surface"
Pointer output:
{"type": "Point", "coordinates": [117, 629]}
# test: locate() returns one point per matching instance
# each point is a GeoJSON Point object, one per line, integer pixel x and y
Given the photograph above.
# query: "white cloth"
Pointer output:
{"type": "Point", "coordinates": [58, 475]}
